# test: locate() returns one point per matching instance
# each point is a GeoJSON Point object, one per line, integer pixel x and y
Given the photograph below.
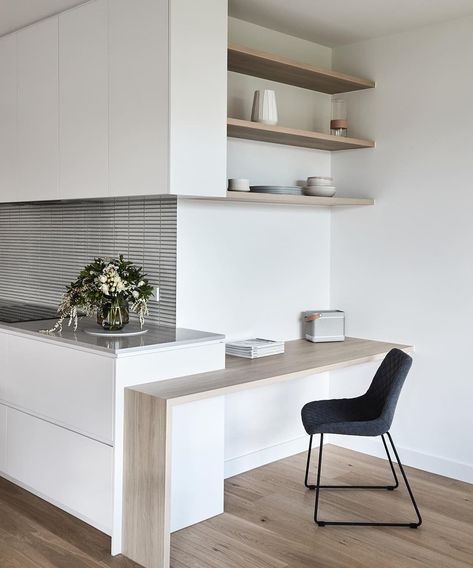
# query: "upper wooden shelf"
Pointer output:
{"type": "Point", "coordinates": [273, 199]}
{"type": "Point", "coordinates": [237, 128]}
{"type": "Point", "coordinates": [282, 70]}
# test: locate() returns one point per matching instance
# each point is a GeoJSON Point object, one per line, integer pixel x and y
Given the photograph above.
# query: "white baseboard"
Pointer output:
{"type": "Point", "coordinates": [413, 458]}
{"type": "Point", "coordinates": [370, 446]}
{"type": "Point", "coordinates": [240, 464]}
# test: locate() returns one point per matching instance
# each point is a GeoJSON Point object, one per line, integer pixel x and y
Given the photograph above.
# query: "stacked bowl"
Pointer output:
{"type": "Point", "coordinates": [319, 186]}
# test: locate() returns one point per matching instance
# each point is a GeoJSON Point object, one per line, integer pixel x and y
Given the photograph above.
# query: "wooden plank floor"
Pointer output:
{"type": "Point", "coordinates": [268, 520]}
{"type": "Point", "coordinates": [268, 524]}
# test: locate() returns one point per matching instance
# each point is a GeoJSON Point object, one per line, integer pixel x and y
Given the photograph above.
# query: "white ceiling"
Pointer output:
{"type": "Point", "coordinates": [329, 22]}
{"type": "Point", "coordinates": [16, 14]}
{"type": "Point", "coordinates": [338, 22]}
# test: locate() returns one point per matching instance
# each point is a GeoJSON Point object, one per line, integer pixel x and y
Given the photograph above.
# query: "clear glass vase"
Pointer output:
{"type": "Point", "coordinates": [114, 315]}
{"type": "Point", "coordinates": [339, 123]}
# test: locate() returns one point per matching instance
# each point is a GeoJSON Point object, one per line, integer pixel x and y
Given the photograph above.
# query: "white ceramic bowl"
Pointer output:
{"type": "Point", "coordinates": [319, 191]}
{"type": "Point", "coordinates": [319, 183]}
{"type": "Point", "coordinates": [319, 179]}
{"type": "Point", "coordinates": [239, 184]}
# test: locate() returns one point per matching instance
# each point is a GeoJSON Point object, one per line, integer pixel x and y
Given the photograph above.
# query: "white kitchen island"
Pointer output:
{"type": "Point", "coordinates": [61, 412]}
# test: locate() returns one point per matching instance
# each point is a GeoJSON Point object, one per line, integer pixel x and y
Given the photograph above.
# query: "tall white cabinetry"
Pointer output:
{"type": "Point", "coordinates": [37, 82]}
{"type": "Point", "coordinates": [115, 98]}
{"type": "Point", "coordinates": [139, 97]}
{"type": "Point", "coordinates": [8, 117]}
{"type": "Point", "coordinates": [198, 97]}
{"type": "Point", "coordinates": [83, 101]}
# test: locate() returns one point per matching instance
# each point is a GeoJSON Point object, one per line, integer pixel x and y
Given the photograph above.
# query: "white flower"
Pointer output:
{"type": "Point", "coordinates": [103, 279]}
{"type": "Point", "coordinates": [120, 287]}
{"type": "Point", "coordinates": [135, 294]}
{"type": "Point", "coordinates": [140, 283]}
{"type": "Point", "coordinates": [104, 289]}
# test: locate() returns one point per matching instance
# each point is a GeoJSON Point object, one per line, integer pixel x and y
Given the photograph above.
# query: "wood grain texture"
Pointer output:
{"type": "Point", "coordinates": [36, 534]}
{"type": "Point", "coordinates": [301, 358]}
{"type": "Point", "coordinates": [268, 520]}
{"type": "Point", "coordinates": [273, 199]}
{"type": "Point", "coordinates": [267, 524]}
{"type": "Point", "coordinates": [283, 70]}
{"type": "Point", "coordinates": [146, 494]}
{"type": "Point", "coordinates": [148, 410]}
{"type": "Point", "coordinates": [237, 128]}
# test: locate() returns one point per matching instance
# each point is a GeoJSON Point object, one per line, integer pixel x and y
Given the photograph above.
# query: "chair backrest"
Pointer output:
{"type": "Point", "coordinates": [384, 391]}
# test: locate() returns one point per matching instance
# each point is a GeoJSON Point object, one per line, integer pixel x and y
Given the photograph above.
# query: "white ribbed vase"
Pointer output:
{"type": "Point", "coordinates": [264, 107]}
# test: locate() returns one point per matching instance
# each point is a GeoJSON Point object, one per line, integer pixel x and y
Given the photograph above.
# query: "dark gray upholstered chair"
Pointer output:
{"type": "Point", "coordinates": [368, 415]}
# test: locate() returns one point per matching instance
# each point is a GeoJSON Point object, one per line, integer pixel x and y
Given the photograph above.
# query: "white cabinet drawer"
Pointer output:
{"type": "Point", "coordinates": [70, 387]}
{"type": "Point", "coordinates": [70, 470]}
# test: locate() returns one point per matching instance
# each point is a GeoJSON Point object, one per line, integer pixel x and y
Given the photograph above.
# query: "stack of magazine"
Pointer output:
{"type": "Point", "coordinates": [254, 348]}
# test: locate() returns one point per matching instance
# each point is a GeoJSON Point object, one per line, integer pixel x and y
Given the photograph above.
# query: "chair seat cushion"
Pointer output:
{"type": "Point", "coordinates": [346, 416]}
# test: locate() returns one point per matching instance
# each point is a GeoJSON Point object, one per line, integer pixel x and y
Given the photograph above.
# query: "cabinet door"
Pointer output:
{"type": "Point", "coordinates": [198, 106]}
{"type": "Point", "coordinates": [69, 470]}
{"type": "Point", "coordinates": [83, 101]}
{"type": "Point", "coordinates": [139, 121]}
{"type": "Point", "coordinates": [38, 111]}
{"type": "Point", "coordinates": [8, 112]}
{"type": "Point", "coordinates": [3, 436]}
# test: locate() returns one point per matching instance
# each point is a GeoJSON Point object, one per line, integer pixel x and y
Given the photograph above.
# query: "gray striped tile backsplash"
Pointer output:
{"type": "Point", "coordinates": [44, 245]}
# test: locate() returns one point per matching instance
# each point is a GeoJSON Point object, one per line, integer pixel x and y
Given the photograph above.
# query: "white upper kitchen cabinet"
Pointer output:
{"type": "Point", "coordinates": [168, 100]}
{"type": "Point", "coordinates": [115, 98]}
{"type": "Point", "coordinates": [8, 113]}
{"type": "Point", "coordinates": [139, 97]}
{"type": "Point", "coordinates": [83, 101]}
{"type": "Point", "coordinates": [198, 92]}
{"type": "Point", "coordinates": [37, 149]}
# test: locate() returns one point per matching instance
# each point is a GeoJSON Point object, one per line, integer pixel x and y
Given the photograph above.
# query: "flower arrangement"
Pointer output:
{"type": "Point", "coordinates": [106, 288]}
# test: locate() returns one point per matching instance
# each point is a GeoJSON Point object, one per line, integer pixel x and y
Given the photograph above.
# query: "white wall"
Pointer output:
{"type": "Point", "coordinates": [263, 264]}
{"type": "Point", "coordinates": [250, 270]}
{"type": "Point", "coordinates": [403, 270]}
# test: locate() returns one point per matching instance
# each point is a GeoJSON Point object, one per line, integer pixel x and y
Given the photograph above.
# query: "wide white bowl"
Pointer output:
{"type": "Point", "coordinates": [319, 181]}
{"type": "Point", "coordinates": [319, 191]}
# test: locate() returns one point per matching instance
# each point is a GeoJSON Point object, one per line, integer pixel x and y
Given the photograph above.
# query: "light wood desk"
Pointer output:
{"type": "Point", "coordinates": [148, 409]}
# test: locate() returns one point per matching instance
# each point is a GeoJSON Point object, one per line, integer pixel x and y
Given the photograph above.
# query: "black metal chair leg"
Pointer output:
{"type": "Point", "coordinates": [321, 523]}
{"type": "Point", "coordinates": [317, 487]}
{"type": "Point", "coordinates": [306, 479]}
{"type": "Point", "coordinates": [391, 465]}
{"type": "Point", "coordinates": [409, 490]}
{"type": "Point", "coordinates": [388, 487]}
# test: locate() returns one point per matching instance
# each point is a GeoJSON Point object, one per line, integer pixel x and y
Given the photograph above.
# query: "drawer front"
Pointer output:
{"type": "Point", "coordinates": [69, 387]}
{"type": "Point", "coordinates": [70, 470]}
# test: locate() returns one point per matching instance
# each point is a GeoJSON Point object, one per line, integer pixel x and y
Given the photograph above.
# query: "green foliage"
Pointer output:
{"type": "Point", "coordinates": [105, 281]}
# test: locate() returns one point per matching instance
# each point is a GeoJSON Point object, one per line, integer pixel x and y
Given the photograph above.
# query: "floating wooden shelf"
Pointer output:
{"type": "Point", "coordinates": [282, 70]}
{"type": "Point", "coordinates": [237, 128]}
{"type": "Point", "coordinates": [306, 200]}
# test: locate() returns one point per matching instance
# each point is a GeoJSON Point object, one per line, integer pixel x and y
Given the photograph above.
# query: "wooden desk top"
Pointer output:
{"type": "Point", "coordinates": [302, 358]}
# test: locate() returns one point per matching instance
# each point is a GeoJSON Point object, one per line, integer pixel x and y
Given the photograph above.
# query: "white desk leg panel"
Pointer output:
{"type": "Point", "coordinates": [197, 461]}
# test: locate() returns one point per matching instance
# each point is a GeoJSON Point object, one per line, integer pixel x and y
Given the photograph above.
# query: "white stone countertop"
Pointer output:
{"type": "Point", "coordinates": [157, 337]}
